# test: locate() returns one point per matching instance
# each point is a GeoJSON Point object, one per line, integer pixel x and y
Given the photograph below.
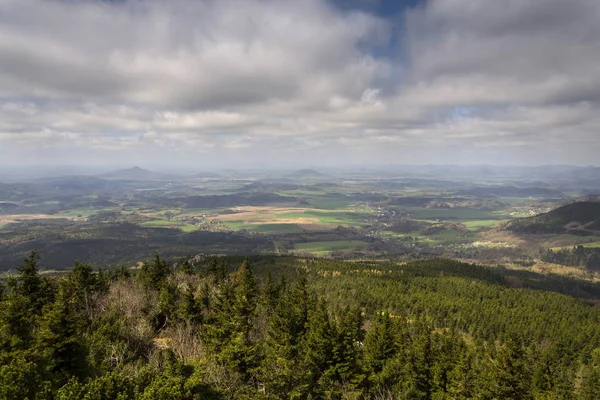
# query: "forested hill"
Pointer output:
{"type": "Point", "coordinates": [270, 327]}
{"type": "Point", "coordinates": [581, 218]}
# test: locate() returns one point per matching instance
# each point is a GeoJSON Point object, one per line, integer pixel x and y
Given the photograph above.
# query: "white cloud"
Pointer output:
{"type": "Point", "coordinates": [296, 81]}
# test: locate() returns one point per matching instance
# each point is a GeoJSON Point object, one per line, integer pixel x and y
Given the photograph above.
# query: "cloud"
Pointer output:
{"type": "Point", "coordinates": [282, 81]}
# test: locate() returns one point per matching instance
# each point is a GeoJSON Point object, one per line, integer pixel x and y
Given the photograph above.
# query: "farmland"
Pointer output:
{"type": "Point", "coordinates": [343, 215]}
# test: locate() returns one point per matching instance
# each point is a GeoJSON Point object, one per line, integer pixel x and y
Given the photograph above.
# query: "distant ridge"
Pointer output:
{"type": "Point", "coordinates": [580, 218]}
{"type": "Point", "coordinates": [135, 173]}
{"type": "Point", "coordinates": [307, 173]}
{"type": "Point", "coordinates": [510, 191]}
{"type": "Point", "coordinates": [208, 175]}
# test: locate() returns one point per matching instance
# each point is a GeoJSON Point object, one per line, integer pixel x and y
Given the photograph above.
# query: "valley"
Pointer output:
{"type": "Point", "coordinates": [397, 214]}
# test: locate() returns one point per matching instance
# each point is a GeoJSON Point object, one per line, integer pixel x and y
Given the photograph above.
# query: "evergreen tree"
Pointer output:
{"type": "Point", "coordinates": [463, 377]}
{"type": "Point", "coordinates": [190, 310]}
{"type": "Point", "coordinates": [154, 273]}
{"type": "Point", "coordinates": [590, 385]}
{"type": "Point", "coordinates": [245, 298]}
{"type": "Point", "coordinates": [283, 372]}
{"type": "Point", "coordinates": [507, 375]}
{"type": "Point", "coordinates": [30, 285]}
{"type": "Point", "coordinates": [379, 345]}
{"type": "Point", "coordinates": [59, 339]}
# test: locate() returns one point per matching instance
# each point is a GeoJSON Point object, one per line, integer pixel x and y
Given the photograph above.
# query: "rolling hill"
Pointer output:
{"type": "Point", "coordinates": [307, 174]}
{"type": "Point", "coordinates": [580, 218]}
{"type": "Point", "coordinates": [135, 173]}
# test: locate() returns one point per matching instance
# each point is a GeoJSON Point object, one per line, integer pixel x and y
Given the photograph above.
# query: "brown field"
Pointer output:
{"type": "Point", "coordinates": [257, 215]}
{"type": "Point", "coordinates": [500, 236]}
{"type": "Point", "coordinates": [301, 221]}
{"type": "Point", "coordinates": [8, 219]}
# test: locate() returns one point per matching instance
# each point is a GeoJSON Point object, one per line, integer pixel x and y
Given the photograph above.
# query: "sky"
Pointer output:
{"type": "Point", "coordinates": [277, 83]}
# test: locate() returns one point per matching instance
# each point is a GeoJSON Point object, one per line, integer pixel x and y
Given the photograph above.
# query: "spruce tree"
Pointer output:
{"type": "Point", "coordinates": [59, 339]}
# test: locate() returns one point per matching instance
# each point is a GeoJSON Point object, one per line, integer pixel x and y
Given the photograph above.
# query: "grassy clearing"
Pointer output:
{"type": "Point", "coordinates": [78, 212]}
{"type": "Point", "coordinates": [344, 218]}
{"type": "Point", "coordinates": [452, 236]}
{"type": "Point", "coordinates": [173, 212]}
{"type": "Point", "coordinates": [453, 214]}
{"type": "Point", "coordinates": [264, 228]}
{"type": "Point", "coordinates": [325, 203]}
{"type": "Point", "coordinates": [162, 223]}
{"type": "Point", "coordinates": [276, 228]}
{"type": "Point", "coordinates": [483, 223]}
{"type": "Point", "coordinates": [588, 244]}
{"type": "Point", "coordinates": [336, 245]}
{"type": "Point", "coordinates": [40, 209]}
{"type": "Point", "coordinates": [414, 234]}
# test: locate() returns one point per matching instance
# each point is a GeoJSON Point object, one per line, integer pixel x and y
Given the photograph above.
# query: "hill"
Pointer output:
{"type": "Point", "coordinates": [307, 174]}
{"type": "Point", "coordinates": [264, 327]}
{"type": "Point", "coordinates": [580, 218]}
{"type": "Point", "coordinates": [510, 191]}
{"type": "Point", "coordinates": [135, 173]}
{"type": "Point", "coordinates": [208, 175]}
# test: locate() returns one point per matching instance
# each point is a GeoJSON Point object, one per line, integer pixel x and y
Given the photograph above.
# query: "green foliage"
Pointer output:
{"type": "Point", "coordinates": [432, 329]}
{"type": "Point", "coordinates": [59, 338]}
{"type": "Point", "coordinates": [153, 273]}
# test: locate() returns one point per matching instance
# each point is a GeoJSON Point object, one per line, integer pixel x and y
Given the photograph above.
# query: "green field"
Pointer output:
{"type": "Point", "coordinates": [78, 212]}
{"type": "Point", "coordinates": [326, 203]}
{"type": "Point", "coordinates": [588, 244]}
{"type": "Point", "coordinates": [334, 218]}
{"type": "Point", "coordinates": [483, 223]}
{"type": "Point", "coordinates": [445, 214]}
{"type": "Point", "coordinates": [275, 228]}
{"type": "Point", "coordinates": [174, 212]}
{"type": "Point", "coordinates": [336, 245]}
{"type": "Point", "coordinates": [162, 223]}
{"type": "Point", "coordinates": [264, 228]}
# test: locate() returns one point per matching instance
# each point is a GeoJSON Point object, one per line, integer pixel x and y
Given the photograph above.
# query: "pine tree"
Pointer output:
{"type": "Point", "coordinates": [30, 285]}
{"type": "Point", "coordinates": [154, 273]}
{"type": "Point", "coordinates": [283, 372]}
{"type": "Point", "coordinates": [190, 310]}
{"type": "Point", "coordinates": [318, 344]}
{"type": "Point", "coordinates": [245, 298]}
{"type": "Point", "coordinates": [462, 378]}
{"type": "Point", "coordinates": [590, 385]}
{"type": "Point", "coordinates": [379, 345]}
{"type": "Point", "coordinates": [507, 375]}
{"type": "Point", "coordinates": [59, 338]}
{"type": "Point", "coordinates": [346, 351]}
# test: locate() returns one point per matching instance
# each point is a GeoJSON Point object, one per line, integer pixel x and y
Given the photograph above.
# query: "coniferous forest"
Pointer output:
{"type": "Point", "coordinates": [269, 327]}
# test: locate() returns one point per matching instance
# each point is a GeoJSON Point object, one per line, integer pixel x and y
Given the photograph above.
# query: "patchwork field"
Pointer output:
{"type": "Point", "coordinates": [458, 215]}
{"type": "Point", "coordinates": [287, 219]}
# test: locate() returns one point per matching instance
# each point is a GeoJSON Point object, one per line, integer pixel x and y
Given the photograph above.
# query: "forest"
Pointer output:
{"type": "Point", "coordinates": [269, 327]}
{"type": "Point", "coordinates": [578, 256]}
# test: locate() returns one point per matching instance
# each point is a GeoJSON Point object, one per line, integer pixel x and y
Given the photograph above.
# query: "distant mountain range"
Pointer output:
{"type": "Point", "coordinates": [580, 218]}
{"type": "Point", "coordinates": [135, 173]}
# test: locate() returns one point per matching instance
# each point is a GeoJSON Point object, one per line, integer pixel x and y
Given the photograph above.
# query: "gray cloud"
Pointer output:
{"type": "Point", "coordinates": [295, 82]}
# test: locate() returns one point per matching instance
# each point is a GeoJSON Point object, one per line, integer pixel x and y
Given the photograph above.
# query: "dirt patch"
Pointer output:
{"type": "Point", "coordinates": [500, 236]}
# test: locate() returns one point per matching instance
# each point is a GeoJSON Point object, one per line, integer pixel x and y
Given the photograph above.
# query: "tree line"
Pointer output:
{"type": "Point", "coordinates": [291, 328]}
